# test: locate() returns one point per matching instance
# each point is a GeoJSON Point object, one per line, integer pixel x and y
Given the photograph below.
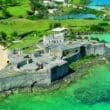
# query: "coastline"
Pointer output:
{"type": "Point", "coordinates": [63, 83]}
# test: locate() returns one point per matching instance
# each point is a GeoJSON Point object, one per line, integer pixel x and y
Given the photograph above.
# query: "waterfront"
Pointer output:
{"type": "Point", "coordinates": [100, 2]}
{"type": "Point", "coordinates": [91, 92]}
{"type": "Point", "coordinates": [76, 16]}
{"type": "Point", "coordinates": [105, 37]}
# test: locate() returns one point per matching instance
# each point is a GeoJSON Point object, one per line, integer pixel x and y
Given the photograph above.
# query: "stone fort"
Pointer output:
{"type": "Point", "coordinates": [49, 63]}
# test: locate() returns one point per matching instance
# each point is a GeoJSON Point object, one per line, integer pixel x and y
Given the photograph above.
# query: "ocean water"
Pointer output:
{"type": "Point", "coordinates": [100, 2]}
{"type": "Point", "coordinates": [94, 4]}
{"type": "Point", "coordinates": [75, 16]}
{"type": "Point", "coordinates": [105, 37]}
{"type": "Point", "coordinates": [91, 92]}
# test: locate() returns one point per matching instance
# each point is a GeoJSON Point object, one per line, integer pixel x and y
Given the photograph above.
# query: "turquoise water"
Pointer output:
{"type": "Point", "coordinates": [105, 37]}
{"type": "Point", "coordinates": [76, 16]}
{"type": "Point", "coordinates": [91, 92]}
{"type": "Point", "coordinates": [100, 2]}
{"type": "Point", "coordinates": [94, 4]}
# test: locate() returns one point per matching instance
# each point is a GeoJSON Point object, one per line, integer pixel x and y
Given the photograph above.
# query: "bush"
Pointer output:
{"type": "Point", "coordinates": [6, 14]}
{"type": "Point", "coordinates": [14, 34]}
{"type": "Point", "coordinates": [3, 38]}
{"type": "Point", "coordinates": [30, 12]}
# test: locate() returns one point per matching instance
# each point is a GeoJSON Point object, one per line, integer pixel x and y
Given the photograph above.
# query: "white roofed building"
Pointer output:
{"type": "Point", "coordinates": [60, 1]}
{"type": "Point", "coordinates": [57, 38]}
{"type": "Point", "coordinates": [59, 30]}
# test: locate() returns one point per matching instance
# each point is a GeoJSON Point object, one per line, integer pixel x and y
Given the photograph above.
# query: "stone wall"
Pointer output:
{"type": "Point", "coordinates": [58, 72]}
{"type": "Point", "coordinates": [73, 57]}
{"type": "Point", "coordinates": [22, 80]}
{"type": "Point", "coordinates": [43, 77]}
{"type": "Point", "coordinates": [95, 49]}
{"type": "Point", "coordinates": [107, 49]}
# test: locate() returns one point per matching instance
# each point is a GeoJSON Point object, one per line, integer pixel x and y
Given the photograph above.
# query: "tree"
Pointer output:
{"type": "Point", "coordinates": [8, 3]}
{"type": "Point", "coordinates": [37, 5]}
{"type": "Point", "coordinates": [80, 2]}
{"type": "Point", "coordinates": [3, 38]}
{"type": "Point", "coordinates": [6, 14]}
{"type": "Point", "coordinates": [14, 34]}
{"type": "Point", "coordinates": [96, 28]}
{"type": "Point", "coordinates": [57, 24]}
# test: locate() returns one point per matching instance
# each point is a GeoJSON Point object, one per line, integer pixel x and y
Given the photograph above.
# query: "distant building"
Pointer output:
{"type": "Point", "coordinates": [52, 11]}
{"type": "Point", "coordinates": [54, 2]}
{"type": "Point", "coordinates": [59, 1]}
{"type": "Point", "coordinates": [49, 3]}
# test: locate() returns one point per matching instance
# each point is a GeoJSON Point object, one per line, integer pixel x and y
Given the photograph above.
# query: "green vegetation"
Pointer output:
{"type": "Point", "coordinates": [80, 2]}
{"type": "Point", "coordinates": [16, 8]}
{"type": "Point", "coordinates": [24, 29]}
{"type": "Point", "coordinates": [81, 61]}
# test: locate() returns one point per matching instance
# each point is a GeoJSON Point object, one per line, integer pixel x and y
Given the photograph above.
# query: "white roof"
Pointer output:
{"type": "Point", "coordinates": [58, 29]}
{"type": "Point", "coordinates": [59, 0]}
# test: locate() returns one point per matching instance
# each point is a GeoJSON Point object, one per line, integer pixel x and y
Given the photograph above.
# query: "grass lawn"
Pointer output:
{"type": "Point", "coordinates": [42, 26]}
{"type": "Point", "coordinates": [81, 61]}
{"type": "Point", "coordinates": [29, 41]}
{"type": "Point", "coordinates": [25, 25]}
{"type": "Point", "coordinates": [19, 10]}
{"type": "Point", "coordinates": [22, 25]}
{"type": "Point", "coordinates": [1, 13]}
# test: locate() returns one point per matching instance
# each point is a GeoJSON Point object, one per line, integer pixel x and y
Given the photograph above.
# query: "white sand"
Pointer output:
{"type": "Point", "coordinates": [3, 57]}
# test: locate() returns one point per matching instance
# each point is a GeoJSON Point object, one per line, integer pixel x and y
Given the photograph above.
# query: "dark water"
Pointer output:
{"type": "Point", "coordinates": [91, 92]}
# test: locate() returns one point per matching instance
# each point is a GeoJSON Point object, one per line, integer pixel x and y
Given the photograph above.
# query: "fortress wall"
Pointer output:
{"type": "Point", "coordinates": [25, 80]}
{"type": "Point", "coordinates": [60, 71]}
{"type": "Point", "coordinates": [89, 50]}
{"type": "Point", "coordinates": [95, 50]}
{"type": "Point", "coordinates": [73, 57]}
{"type": "Point", "coordinates": [100, 50]}
{"type": "Point", "coordinates": [107, 49]}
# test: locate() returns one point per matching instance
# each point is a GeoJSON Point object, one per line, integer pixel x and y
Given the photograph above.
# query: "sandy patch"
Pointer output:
{"type": "Point", "coordinates": [3, 57]}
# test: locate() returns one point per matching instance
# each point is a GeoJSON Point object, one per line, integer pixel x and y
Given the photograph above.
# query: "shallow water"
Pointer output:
{"type": "Point", "coordinates": [105, 37]}
{"type": "Point", "coordinates": [91, 92]}
{"type": "Point", "coordinates": [100, 2]}
{"type": "Point", "coordinates": [76, 16]}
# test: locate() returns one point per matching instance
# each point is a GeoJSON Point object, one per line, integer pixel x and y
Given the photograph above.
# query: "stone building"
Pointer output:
{"type": "Point", "coordinates": [56, 38]}
{"type": "Point", "coordinates": [51, 62]}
